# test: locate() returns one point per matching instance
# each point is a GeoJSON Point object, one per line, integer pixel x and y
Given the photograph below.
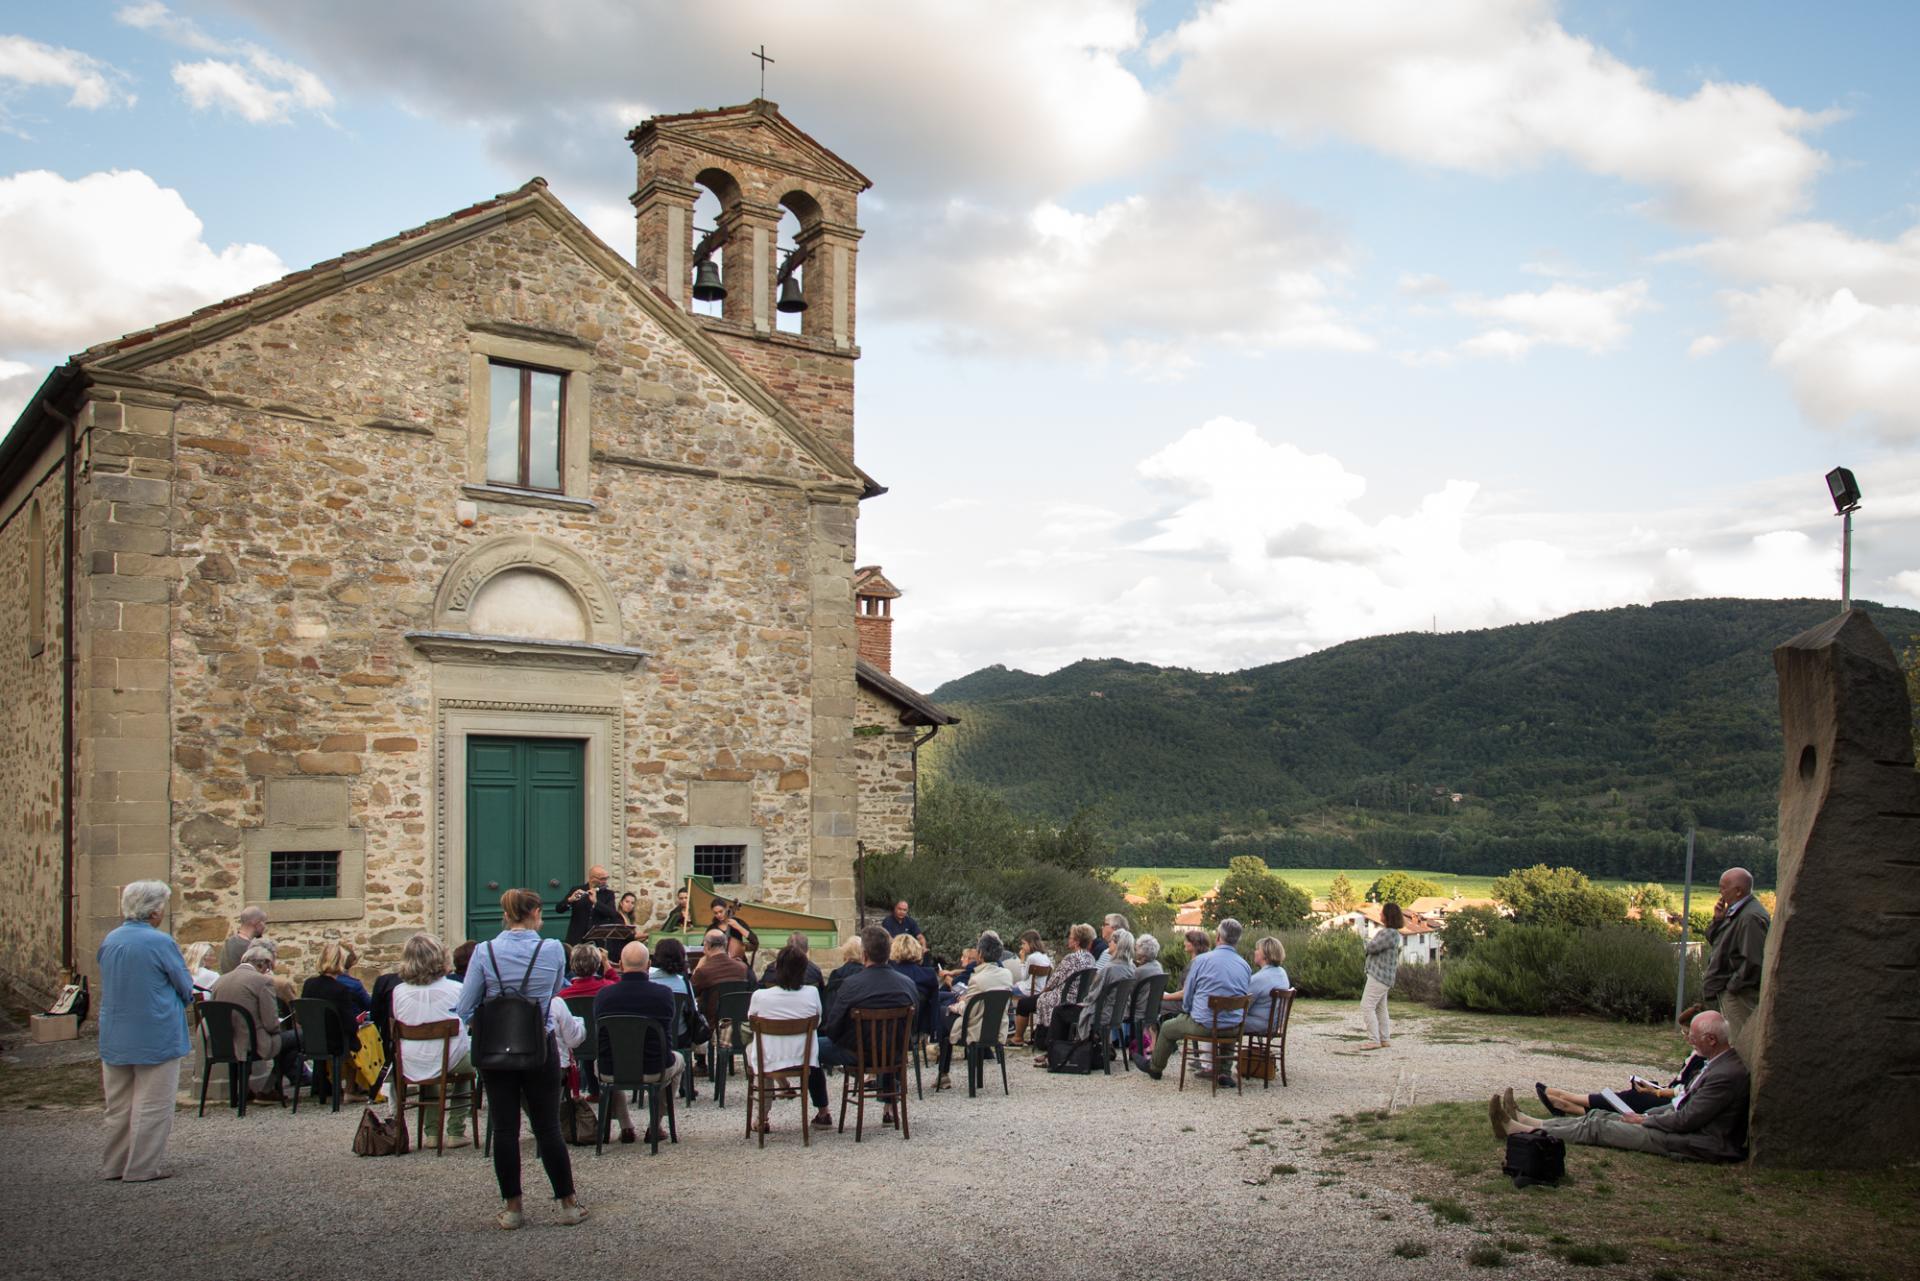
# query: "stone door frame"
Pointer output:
{"type": "Point", "coordinates": [601, 727]}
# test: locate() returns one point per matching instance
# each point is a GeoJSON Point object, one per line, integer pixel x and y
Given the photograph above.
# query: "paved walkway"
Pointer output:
{"type": "Point", "coordinates": [1070, 1177]}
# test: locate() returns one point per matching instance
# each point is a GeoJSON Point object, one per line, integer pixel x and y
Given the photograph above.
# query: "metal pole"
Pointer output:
{"type": "Point", "coordinates": [1846, 560]}
{"type": "Point", "coordinates": [1686, 908]}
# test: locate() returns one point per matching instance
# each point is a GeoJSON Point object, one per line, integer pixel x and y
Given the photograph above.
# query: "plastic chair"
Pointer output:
{"type": "Point", "coordinates": [1272, 1038]}
{"type": "Point", "coordinates": [217, 1040]}
{"type": "Point", "coordinates": [443, 1031]}
{"type": "Point", "coordinates": [762, 1085]}
{"type": "Point", "coordinates": [993, 1027]}
{"type": "Point", "coordinates": [1222, 1042]}
{"type": "Point", "coordinates": [1143, 1012]}
{"type": "Point", "coordinates": [321, 1038]}
{"type": "Point", "coordinates": [730, 1008]}
{"type": "Point", "coordinates": [629, 1037]}
{"type": "Point", "coordinates": [879, 1069]}
{"type": "Point", "coordinates": [1109, 1017]}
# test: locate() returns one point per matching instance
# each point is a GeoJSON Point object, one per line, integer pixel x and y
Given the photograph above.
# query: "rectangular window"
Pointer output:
{"type": "Point", "coordinates": [527, 407]}
{"type": "Point", "coordinates": [303, 874]}
{"type": "Point", "coordinates": [726, 864]}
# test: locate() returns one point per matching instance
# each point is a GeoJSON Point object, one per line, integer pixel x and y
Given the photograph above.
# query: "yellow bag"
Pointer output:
{"type": "Point", "coordinates": [370, 1058]}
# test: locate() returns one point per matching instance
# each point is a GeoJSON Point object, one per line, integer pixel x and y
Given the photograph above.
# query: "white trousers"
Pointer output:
{"type": "Point", "coordinates": [140, 1102]}
{"type": "Point", "coordinates": [1374, 1019]}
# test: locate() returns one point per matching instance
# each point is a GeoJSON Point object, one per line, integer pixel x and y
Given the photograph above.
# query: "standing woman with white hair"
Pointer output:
{"type": "Point", "coordinates": [144, 992]}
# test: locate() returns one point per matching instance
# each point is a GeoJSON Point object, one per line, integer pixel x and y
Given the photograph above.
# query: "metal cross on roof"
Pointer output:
{"type": "Point", "coordinates": [764, 60]}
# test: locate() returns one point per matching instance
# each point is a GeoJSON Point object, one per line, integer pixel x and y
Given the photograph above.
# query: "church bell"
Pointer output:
{"type": "Point", "coordinates": [791, 298]}
{"type": "Point", "coordinates": [706, 282]}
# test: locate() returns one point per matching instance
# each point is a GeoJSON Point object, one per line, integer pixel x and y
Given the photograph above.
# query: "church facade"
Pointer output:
{"type": "Point", "coordinates": [462, 561]}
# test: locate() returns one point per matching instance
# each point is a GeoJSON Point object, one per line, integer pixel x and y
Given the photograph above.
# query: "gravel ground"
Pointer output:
{"type": "Point", "coordinates": [1070, 1177]}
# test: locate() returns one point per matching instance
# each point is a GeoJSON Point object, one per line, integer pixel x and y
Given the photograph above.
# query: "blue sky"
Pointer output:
{"type": "Point", "coordinates": [1201, 334]}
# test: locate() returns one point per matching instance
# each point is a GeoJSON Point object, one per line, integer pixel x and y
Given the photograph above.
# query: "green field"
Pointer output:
{"type": "Point", "coordinates": [1315, 880]}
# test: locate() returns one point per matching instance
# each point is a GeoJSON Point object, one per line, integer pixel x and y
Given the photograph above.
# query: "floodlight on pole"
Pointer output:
{"type": "Point", "coordinates": [1845, 492]}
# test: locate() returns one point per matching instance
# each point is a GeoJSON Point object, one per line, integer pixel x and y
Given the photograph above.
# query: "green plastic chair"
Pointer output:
{"type": "Point", "coordinates": [628, 1036]}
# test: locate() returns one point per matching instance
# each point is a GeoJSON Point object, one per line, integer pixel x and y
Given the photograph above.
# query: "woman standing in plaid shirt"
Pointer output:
{"type": "Point", "coordinates": [1383, 959]}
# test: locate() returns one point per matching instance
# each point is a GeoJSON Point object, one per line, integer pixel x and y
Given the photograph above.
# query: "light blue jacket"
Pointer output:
{"type": "Point", "coordinates": [513, 948]}
{"type": "Point", "coordinates": [144, 992]}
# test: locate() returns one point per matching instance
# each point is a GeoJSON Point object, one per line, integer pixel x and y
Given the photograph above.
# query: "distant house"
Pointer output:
{"type": "Point", "coordinates": [1419, 937]}
{"type": "Point", "coordinates": [1439, 909]}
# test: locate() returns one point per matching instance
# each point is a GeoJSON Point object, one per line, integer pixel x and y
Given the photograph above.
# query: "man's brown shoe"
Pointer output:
{"type": "Point", "coordinates": [1498, 1116]}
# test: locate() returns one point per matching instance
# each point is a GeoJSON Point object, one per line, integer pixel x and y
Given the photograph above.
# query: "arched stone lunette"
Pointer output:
{"type": "Point", "coordinates": [465, 578]}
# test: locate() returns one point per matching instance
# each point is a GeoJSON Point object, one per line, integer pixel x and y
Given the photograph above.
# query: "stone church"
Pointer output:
{"type": "Point", "coordinates": [462, 561]}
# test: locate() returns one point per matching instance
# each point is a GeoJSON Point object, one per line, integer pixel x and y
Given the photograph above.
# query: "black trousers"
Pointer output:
{"type": "Point", "coordinates": [537, 1091]}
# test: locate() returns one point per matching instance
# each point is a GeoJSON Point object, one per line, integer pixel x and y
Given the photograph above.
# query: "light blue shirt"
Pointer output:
{"type": "Point", "coordinates": [513, 949]}
{"type": "Point", "coordinates": [673, 983]}
{"type": "Point", "coordinates": [1220, 972]}
{"type": "Point", "coordinates": [144, 992]}
{"type": "Point", "coordinates": [1266, 981]}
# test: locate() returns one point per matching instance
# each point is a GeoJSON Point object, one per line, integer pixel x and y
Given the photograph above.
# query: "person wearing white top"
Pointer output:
{"type": "Point", "coordinates": [425, 994]}
{"type": "Point", "coordinates": [203, 975]}
{"type": "Point", "coordinates": [790, 997]}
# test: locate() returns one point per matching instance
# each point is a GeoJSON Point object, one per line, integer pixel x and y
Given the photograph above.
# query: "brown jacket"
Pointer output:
{"type": "Point", "coordinates": [252, 991]}
{"type": "Point", "coordinates": [1711, 1122]}
{"type": "Point", "coordinates": [1739, 946]}
{"type": "Point", "coordinates": [710, 974]}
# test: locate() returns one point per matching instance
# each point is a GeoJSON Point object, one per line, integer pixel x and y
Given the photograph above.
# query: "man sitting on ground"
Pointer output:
{"type": "Point", "coordinates": [1214, 974]}
{"type": "Point", "coordinates": [1642, 1096]}
{"type": "Point", "coordinates": [635, 993]}
{"type": "Point", "coordinates": [1708, 1124]}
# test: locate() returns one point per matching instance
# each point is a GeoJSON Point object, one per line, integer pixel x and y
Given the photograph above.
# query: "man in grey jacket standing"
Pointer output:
{"type": "Point", "coordinates": [1710, 1124]}
{"type": "Point", "coordinates": [1738, 937]}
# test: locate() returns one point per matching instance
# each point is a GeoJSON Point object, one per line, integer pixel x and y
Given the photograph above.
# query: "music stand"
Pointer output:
{"type": "Point", "coordinates": [605, 937]}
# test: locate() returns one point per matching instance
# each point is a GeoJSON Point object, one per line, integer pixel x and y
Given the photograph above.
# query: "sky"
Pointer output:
{"type": "Point", "coordinates": [1200, 334]}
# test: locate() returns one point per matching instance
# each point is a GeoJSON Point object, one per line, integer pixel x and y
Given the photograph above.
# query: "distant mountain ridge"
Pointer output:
{"type": "Point", "coordinates": [1636, 720]}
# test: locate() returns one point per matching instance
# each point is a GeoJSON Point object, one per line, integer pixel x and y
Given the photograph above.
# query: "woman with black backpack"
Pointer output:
{"type": "Point", "coordinates": [512, 984]}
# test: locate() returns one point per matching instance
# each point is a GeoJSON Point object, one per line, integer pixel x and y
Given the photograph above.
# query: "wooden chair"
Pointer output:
{"type": "Point", "coordinates": [455, 1090]}
{"type": "Point", "coordinates": [1036, 981]}
{"type": "Point", "coordinates": [1221, 1042]}
{"type": "Point", "coordinates": [322, 1039]}
{"type": "Point", "coordinates": [879, 1070]}
{"type": "Point", "coordinates": [628, 1037]}
{"type": "Point", "coordinates": [762, 1084]}
{"type": "Point", "coordinates": [221, 1045]}
{"type": "Point", "coordinates": [1271, 1039]}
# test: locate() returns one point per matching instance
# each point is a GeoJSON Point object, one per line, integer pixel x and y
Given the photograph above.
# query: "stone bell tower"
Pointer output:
{"type": "Point", "coordinates": [758, 164]}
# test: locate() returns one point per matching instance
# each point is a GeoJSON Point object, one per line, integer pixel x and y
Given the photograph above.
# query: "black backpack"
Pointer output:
{"type": "Point", "coordinates": [1065, 1054]}
{"type": "Point", "coordinates": [510, 1028]}
{"type": "Point", "coordinates": [1535, 1157]}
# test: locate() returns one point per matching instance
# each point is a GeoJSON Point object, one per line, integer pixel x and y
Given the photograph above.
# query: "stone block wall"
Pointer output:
{"type": "Point", "coordinates": [30, 747]}
{"type": "Point", "coordinates": [883, 761]}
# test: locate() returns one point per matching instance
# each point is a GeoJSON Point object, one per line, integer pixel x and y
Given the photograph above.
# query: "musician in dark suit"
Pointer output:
{"type": "Point", "coordinates": [590, 905]}
{"type": "Point", "coordinates": [1710, 1124]}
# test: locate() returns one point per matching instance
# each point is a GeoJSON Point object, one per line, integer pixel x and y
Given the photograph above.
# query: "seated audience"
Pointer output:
{"type": "Point", "coordinates": [203, 975]}
{"type": "Point", "coordinates": [348, 959]}
{"type": "Point", "coordinates": [251, 929]}
{"type": "Point", "coordinates": [1079, 956]}
{"type": "Point", "coordinates": [249, 985]}
{"type": "Point", "coordinates": [1271, 977]}
{"type": "Point", "coordinates": [790, 996]}
{"type": "Point", "coordinates": [1032, 954]}
{"type": "Point", "coordinates": [462, 955]}
{"type": "Point", "coordinates": [1640, 1096]}
{"type": "Point", "coordinates": [965, 1018]}
{"type": "Point", "coordinates": [878, 986]}
{"type": "Point", "coordinates": [852, 958]}
{"type": "Point", "coordinates": [799, 943]}
{"type": "Point", "coordinates": [586, 971]}
{"type": "Point", "coordinates": [907, 954]}
{"type": "Point", "coordinates": [1112, 981]}
{"type": "Point", "coordinates": [1146, 965]}
{"type": "Point", "coordinates": [1111, 922]}
{"type": "Point", "coordinates": [423, 993]}
{"type": "Point", "coordinates": [326, 986]}
{"type": "Point", "coordinates": [670, 971]}
{"type": "Point", "coordinates": [716, 966]}
{"type": "Point", "coordinates": [636, 993]}
{"type": "Point", "coordinates": [1708, 1123]}
{"type": "Point", "coordinates": [1218, 973]}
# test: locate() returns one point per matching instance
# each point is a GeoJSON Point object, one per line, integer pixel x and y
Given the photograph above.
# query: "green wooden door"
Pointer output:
{"type": "Point", "coordinates": [526, 825]}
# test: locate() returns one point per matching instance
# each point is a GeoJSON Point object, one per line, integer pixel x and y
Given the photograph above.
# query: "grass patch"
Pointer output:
{"type": "Point", "coordinates": [1447, 1210]}
{"type": "Point", "coordinates": [1412, 1250]}
{"type": "Point", "coordinates": [1283, 1168]}
{"type": "Point", "coordinates": [1487, 1256]}
{"type": "Point", "coordinates": [59, 1085]}
{"type": "Point", "coordinates": [1803, 1225]}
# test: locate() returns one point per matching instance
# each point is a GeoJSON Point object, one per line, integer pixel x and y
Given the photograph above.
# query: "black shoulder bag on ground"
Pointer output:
{"type": "Point", "coordinates": [1534, 1157]}
{"type": "Point", "coordinates": [510, 1028]}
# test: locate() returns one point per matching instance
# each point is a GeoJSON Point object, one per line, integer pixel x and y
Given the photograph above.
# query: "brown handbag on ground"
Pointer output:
{"type": "Point", "coordinates": [579, 1120]}
{"type": "Point", "coordinates": [1256, 1062]}
{"type": "Point", "coordinates": [379, 1136]}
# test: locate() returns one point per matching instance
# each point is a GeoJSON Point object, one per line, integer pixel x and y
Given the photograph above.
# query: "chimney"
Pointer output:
{"type": "Point", "coordinates": [873, 598]}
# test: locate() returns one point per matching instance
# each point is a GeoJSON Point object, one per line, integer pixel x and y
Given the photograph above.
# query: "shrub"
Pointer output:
{"type": "Point", "coordinates": [1418, 982]}
{"type": "Point", "coordinates": [1328, 964]}
{"type": "Point", "coordinates": [1256, 897]}
{"type": "Point", "coordinates": [1402, 888]}
{"type": "Point", "coordinates": [1510, 972]}
{"type": "Point", "coordinates": [1621, 973]}
{"type": "Point", "coordinates": [1542, 895]}
{"type": "Point", "coordinates": [1464, 930]}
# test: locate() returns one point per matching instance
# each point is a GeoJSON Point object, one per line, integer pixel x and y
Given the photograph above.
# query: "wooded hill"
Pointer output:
{"type": "Point", "coordinates": [1591, 740]}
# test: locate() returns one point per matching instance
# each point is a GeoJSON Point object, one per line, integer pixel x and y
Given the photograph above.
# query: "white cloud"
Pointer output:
{"type": "Point", "coordinates": [1150, 280]}
{"type": "Point", "coordinates": [1705, 345]}
{"type": "Point", "coordinates": [18, 382]}
{"type": "Point", "coordinates": [1562, 315]}
{"type": "Point", "coordinates": [261, 88]}
{"type": "Point", "coordinates": [90, 83]}
{"type": "Point", "coordinates": [1840, 315]}
{"type": "Point", "coordinates": [1416, 284]}
{"type": "Point", "coordinates": [1489, 86]}
{"type": "Point", "coordinates": [1908, 582]}
{"type": "Point", "coordinates": [86, 260]}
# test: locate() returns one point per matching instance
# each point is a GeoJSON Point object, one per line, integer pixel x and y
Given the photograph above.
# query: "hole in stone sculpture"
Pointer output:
{"type": "Point", "coordinates": [525, 602]}
{"type": "Point", "coordinates": [1808, 760]}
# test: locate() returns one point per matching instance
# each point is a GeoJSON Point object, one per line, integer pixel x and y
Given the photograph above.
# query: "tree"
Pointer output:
{"type": "Point", "coordinates": [1150, 889]}
{"type": "Point", "coordinates": [1341, 896]}
{"type": "Point", "coordinates": [1401, 888]}
{"type": "Point", "coordinates": [1254, 896]}
{"type": "Point", "coordinates": [1467, 927]}
{"type": "Point", "coordinates": [1542, 895]}
{"type": "Point", "coordinates": [1652, 899]}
